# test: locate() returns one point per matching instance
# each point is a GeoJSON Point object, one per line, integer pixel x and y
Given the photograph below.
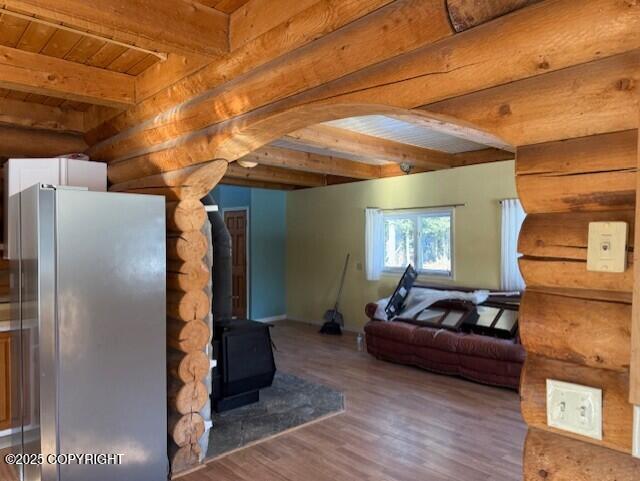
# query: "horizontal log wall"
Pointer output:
{"type": "Point", "coordinates": [551, 457]}
{"type": "Point", "coordinates": [576, 324]}
{"type": "Point", "coordinates": [584, 174]}
{"type": "Point", "coordinates": [594, 333]}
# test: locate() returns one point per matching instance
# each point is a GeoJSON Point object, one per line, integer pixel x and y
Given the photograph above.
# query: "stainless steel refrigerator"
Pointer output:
{"type": "Point", "coordinates": [90, 297]}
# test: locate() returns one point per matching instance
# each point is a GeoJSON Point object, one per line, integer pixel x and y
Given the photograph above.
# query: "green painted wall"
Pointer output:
{"type": "Point", "coordinates": [323, 224]}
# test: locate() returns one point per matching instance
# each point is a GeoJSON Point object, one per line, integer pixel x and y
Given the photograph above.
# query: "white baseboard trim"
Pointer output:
{"type": "Point", "coordinates": [281, 317]}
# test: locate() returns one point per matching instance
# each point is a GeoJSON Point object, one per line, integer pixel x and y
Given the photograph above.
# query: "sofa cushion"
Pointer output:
{"type": "Point", "coordinates": [435, 338]}
{"type": "Point", "coordinates": [396, 331]}
{"type": "Point", "coordinates": [486, 347]}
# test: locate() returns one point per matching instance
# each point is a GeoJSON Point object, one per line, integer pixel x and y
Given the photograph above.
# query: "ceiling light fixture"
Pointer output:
{"type": "Point", "coordinates": [406, 167]}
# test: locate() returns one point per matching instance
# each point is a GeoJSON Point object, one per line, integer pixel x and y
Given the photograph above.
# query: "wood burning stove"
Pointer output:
{"type": "Point", "coordinates": [242, 347]}
{"type": "Point", "coordinates": [245, 362]}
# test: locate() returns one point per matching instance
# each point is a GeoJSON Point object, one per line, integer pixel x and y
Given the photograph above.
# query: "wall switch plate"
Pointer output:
{"type": "Point", "coordinates": [607, 246]}
{"type": "Point", "coordinates": [574, 408]}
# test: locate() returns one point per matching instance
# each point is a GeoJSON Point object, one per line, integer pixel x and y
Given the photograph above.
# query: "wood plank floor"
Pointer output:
{"type": "Point", "coordinates": [400, 423]}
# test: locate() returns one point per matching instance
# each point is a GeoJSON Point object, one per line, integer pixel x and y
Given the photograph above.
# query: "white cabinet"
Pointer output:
{"type": "Point", "coordinates": [20, 174]}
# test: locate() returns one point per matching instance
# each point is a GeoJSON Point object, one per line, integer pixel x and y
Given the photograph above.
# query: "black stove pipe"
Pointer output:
{"type": "Point", "coordinates": [222, 265]}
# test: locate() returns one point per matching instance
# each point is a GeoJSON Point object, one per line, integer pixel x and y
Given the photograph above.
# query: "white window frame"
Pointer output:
{"type": "Point", "coordinates": [415, 215]}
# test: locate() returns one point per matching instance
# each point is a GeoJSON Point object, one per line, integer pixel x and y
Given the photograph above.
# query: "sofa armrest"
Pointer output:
{"type": "Point", "coordinates": [370, 310]}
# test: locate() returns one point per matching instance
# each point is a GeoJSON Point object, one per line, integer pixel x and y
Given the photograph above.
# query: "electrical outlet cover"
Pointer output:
{"type": "Point", "coordinates": [574, 408]}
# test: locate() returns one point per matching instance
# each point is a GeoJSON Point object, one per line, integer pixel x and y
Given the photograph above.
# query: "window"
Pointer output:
{"type": "Point", "coordinates": [422, 238]}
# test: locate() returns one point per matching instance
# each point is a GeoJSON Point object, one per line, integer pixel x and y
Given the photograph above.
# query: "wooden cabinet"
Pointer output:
{"type": "Point", "coordinates": [6, 349]}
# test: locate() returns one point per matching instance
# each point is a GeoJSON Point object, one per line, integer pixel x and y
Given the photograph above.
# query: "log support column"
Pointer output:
{"type": "Point", "coordinates": [189, 265]}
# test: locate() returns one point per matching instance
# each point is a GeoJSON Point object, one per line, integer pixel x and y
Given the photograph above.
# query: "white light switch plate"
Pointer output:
{"type": "Point", "coordinates": [574, 408]}
{"type": "Point", "coordinates": [607, 247]}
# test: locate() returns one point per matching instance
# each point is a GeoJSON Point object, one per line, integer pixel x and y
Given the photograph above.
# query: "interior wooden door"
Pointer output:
{"type": "Point", "coordinates": [236, 221]}
{"type": "Point", "coordinates": [5, 380]}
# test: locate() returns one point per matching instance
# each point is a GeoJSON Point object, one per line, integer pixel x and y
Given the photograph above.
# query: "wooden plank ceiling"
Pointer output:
{"type": "Point", "coordinates": [22, 34]}
{"type": "Point", "coordinates": [27, 26]}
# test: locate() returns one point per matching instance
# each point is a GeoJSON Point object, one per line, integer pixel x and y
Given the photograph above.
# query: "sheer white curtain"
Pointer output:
{"type": "Point", "coordinates": [374, 243]}
{"type": "Point", "coordinates": [512, 218]}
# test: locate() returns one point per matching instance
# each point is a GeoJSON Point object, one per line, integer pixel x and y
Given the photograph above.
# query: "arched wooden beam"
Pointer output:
{"type": "Point", "coordinates": [449, 67]}
{"type": "Point", "coordinates": [239, 137]}
{"type": "Point", "coordinates": [252, 137]}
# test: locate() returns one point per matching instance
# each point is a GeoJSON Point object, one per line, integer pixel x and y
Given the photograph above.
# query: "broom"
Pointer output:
{"type": "Point", "coordinates": [334, 316]}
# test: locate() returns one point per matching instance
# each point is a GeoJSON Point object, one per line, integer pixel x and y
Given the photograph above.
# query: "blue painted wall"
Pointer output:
{"type": "Point", "coordinates": [268, 253]}
{"type": "Point", "coordinates": [267, 245]}
{"type": "Point", "coordinates": [232, 196]}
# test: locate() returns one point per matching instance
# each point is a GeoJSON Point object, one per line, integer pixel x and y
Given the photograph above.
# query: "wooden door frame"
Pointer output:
{"type": "Point", "coordinates": [246, 209]}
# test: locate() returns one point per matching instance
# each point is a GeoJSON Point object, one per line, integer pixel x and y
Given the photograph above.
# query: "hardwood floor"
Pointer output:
{"type": "Point", "coordinates": [400, 423]}
{"type": "Point", "coordinates": [7, 473]}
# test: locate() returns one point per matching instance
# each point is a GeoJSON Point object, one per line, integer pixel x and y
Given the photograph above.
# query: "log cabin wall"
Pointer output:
{"type": "Point", "coordinates": [575, 324]}
{"type": "Point", "coordinates": [555, 78]}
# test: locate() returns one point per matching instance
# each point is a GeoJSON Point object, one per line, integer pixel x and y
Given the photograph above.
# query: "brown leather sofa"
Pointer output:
{"type": "Point", "coordinates": [484, 359]}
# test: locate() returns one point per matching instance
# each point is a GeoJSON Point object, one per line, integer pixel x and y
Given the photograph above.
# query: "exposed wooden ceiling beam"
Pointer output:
{"type": "Point", "coordinates": [276, 175]}
{"type": "Point", "coordinates": [257, 184]}
{"type": "Point", "coordinates": [310, 162]}
{"type": "Point", "coordinates": [37, 116]}
{"type": "Point", "coordinates": [368, 147]}
{"type": "Point", "coordinates": [337, 179]}
{"type": "Point", "coordinates": [347, 170]}
{"type": "Point", "coordinates": [177, 26]}
{"type": "Point", "coordinates": [18, 142]}
{"type": "Point", "coordinates": [461, 159]}
{"type": "Point", "coordinates": [226, 6]}
{"type": "Point", "coordinates": [259, 16]}
{"type": "Point", "coordinates": [40, 74]}
{"type": "Point", "coordinates": [482, 157]}
{"type": "Point", "coordinates": [588, 99]}
{"type": "Point", "coordinates": [163, 74]}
